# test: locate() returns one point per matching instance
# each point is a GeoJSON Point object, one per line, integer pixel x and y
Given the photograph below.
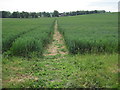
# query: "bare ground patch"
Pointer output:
{"type": "Point", "coordinates": [21, 78]}
{"type": "Point", "coordinates": [57, 46]}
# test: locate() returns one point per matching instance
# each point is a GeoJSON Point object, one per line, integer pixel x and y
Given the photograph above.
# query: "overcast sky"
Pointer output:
{"type": "Point", "coordinates": [60, 5]}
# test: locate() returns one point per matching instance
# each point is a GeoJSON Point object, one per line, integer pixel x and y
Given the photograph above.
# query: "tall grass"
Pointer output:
{"type": "Point", "coordinates": [34, 41]}
{"type": "Point", "coordinates": [14, 28]}
{"type": "Point", "coordinates": [90, 33]}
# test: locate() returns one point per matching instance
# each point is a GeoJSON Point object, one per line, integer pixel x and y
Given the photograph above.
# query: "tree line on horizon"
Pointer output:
{"type": "Point", "coordinates": [7, 14]}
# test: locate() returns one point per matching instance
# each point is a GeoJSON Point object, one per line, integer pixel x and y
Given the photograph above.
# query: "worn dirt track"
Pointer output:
{"type": "Point", "coordinates": [57, 46]}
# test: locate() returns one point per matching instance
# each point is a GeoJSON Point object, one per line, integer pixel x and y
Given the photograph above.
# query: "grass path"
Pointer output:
{"type": "Point", "coordinates": [57, 47]}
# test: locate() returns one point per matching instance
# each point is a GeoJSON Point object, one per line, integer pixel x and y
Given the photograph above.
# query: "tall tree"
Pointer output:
{"type": "Point", "coordinates": [56, 13]}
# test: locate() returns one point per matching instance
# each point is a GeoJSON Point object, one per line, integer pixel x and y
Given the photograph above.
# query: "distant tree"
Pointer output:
{"type": "Point", "coordinates": [78, 12]}
{"type": "Point", "coordinates": [26, 14]}
{"type": "Point", "coordinates": [48, 14]}
{"type": "Point", "coordinates": [16, 15]}
{"type": "Point", "coordinates": [6, 14]}
{"type": "Point", "coordinates": [43, 14]}
{"type": "Point", "coordinates": [51, 14]}
{"type": "Point", "coordinates": [21, 15]}
{"type": "Point", "coordinates": [103, 11]}
{"type": "Point", "coordinates": [95, 11]}
{"type": "Point", "coordinates": [91, 12]}
{"type": "Point", "coordinates": [74, 13]}
{"type": "Point", "coordinates": [39, 14]}
{"type": "Point", "coordinates": [87, 12]}
{"type": "Point", "coordinates": [34, 15]}
{"type": "Point", "coordinates": [56, 13]}
{"type": "Point", "coordinates": [67, 14]}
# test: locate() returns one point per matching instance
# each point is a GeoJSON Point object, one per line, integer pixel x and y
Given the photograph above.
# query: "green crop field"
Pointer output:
{"type": "Point", "coordinates": [91, 62]}
{"type": "Point", "coordinates": [90, 33]}
{"type": "Point", "coordinates": [21, 36]}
